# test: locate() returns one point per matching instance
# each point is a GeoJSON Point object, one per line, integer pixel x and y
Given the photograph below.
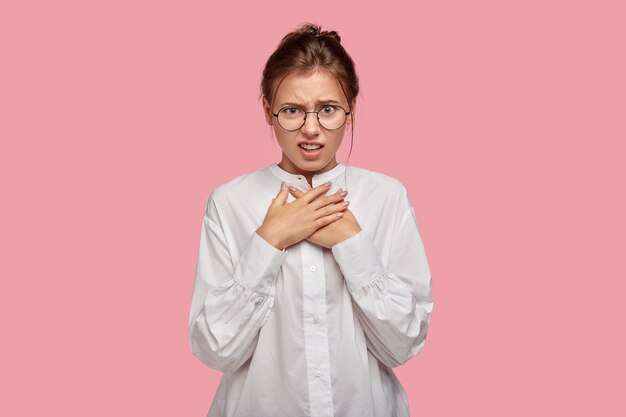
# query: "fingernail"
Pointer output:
{"type": "Point", "coordinates": [282, 185]}
{"type": "Point", "coordinates": [345, 203]}
{"type": "Point", "coordinates": [327, 184]}
{"type": "Point", "coordinates": [292, 188]}
{"type": "Point", "coordinates": [343, 193]}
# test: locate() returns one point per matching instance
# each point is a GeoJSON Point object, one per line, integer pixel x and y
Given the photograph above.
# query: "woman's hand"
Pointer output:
{"type": "Point", "coordinates": [335, 232]}
{"type": "Point", "coordinates": [287, 224]}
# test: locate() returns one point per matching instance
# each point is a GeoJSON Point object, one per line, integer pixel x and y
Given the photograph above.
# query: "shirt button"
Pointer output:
{"type": "Point", "coordinates": [318, 373]}
{"type": "Point", "coordinates": [316, 319]}
{"type": "Point", "coordinates": [313, 268]}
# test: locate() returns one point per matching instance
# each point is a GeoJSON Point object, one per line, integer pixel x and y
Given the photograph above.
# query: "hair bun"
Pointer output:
{"type": "Point", "coordinates": [316, 31]}
{"type": "Point", "coordinates": [313, 29]}
{"type": "Point", "coordinates": [334, 35]}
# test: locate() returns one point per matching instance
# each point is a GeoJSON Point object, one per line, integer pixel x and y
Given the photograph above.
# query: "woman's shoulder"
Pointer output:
{"type": "Point", "coordinates": [239, 186]}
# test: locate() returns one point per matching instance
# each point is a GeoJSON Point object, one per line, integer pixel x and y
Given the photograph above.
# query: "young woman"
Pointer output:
{"type": "Point", "coordinates": [305, 304]}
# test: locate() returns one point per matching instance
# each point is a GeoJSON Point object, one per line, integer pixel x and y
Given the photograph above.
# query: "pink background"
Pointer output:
{"type": "Point", "coordinates": [505, 120]}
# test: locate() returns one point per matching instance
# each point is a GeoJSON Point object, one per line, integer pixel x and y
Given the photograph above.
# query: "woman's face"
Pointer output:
{"type": "Point", "coordinates": [310, 93]}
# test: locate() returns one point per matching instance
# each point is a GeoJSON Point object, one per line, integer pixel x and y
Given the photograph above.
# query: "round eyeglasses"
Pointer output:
{"type": "Point", "coordinates": [330, 117]}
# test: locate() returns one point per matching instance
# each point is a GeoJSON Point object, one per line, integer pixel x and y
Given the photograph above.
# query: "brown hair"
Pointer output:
{"type": "Point", "coordinates": [308, 49]}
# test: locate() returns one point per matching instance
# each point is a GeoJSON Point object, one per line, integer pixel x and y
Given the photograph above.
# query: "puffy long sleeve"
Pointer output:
{"type": "Point", "coordinates": [230, 302]}
{"type": "Point", "coordinates": [393, 301]}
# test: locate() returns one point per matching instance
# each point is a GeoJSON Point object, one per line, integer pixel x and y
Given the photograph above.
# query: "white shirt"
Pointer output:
{"type": "Point", "coordinates": [307, 330]}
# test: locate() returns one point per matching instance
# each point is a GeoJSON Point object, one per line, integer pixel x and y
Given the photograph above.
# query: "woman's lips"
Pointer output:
{"type": "Point", "coordinates": [311, 154]}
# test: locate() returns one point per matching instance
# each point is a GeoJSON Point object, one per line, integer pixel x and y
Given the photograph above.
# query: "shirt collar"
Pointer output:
{"type": "Point", "coordinates": [316, 180]}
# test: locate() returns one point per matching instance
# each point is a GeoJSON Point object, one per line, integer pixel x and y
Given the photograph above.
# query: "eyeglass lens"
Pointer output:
{"type": "Point", "coordinates": [330, 117]}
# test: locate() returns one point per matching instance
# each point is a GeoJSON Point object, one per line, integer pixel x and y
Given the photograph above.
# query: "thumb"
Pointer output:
{"type": "Point", "coordinates": [281, 197]}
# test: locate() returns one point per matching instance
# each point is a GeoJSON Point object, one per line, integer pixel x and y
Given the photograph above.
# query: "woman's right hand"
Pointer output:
{"type": "Point", "coordinates": [287, 224]}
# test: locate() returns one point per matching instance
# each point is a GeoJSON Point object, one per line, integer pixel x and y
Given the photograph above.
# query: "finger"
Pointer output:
{"type": "Point", "coordinates": [315, 192]}
{"type": "Point", "coordinates": [328, 199]}
{"type": "Point", "coordinates": [281, 197]}
{"type": "Point", "coordinates": [295, 191]}
{"type": "Point", "coordinates": [331, 209]}
{"type": "Point", "coordinates": [323, 221]}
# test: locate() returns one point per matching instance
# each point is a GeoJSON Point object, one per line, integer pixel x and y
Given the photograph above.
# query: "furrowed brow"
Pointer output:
{"type": "Point", "coordinates": [317, 102]}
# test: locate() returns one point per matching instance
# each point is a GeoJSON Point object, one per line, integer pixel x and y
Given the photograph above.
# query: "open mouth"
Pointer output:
{"type": "Point", "coordinates": [310, 148]}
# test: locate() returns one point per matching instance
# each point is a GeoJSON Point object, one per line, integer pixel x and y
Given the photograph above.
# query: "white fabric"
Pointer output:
{"type": "Point", "coordinates": [310, 331]}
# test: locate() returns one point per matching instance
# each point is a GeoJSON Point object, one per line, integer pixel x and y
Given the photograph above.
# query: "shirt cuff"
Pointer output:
{"type": "Point", "coordinates": [259, 264]}
{"type": "Point", "coordinates": [358, 260]}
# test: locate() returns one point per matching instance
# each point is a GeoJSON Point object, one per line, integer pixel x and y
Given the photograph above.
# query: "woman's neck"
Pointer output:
{"type": "Point", "coordinates": [290, 167]}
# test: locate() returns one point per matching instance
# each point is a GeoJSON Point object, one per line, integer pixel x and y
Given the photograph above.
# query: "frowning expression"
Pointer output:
{"type": "Point", "coordinates": [300, 92]}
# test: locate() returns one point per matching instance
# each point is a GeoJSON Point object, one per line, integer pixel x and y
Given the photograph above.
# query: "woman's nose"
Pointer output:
{"type": "Point", "coordinates": [311, 124]}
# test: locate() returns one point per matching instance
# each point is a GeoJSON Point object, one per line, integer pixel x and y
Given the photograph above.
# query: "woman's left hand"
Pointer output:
{"type": "Point", "coordinates": [335, 232]}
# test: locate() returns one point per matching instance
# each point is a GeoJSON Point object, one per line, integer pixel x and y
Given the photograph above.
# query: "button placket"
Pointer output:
{"type": "Point", "coordinates": [315, 334]}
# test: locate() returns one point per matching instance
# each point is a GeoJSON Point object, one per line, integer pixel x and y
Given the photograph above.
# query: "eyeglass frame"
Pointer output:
{"type": "Point", "coordinates": [318, 117]}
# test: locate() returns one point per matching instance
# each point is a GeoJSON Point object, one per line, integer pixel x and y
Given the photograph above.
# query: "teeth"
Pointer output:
{"type": "Point", "coordinates": [306, 146]}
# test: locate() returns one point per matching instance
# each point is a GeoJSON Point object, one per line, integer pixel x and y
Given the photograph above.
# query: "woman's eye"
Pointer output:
{"type": "Point", "coordinates": [291, 110]}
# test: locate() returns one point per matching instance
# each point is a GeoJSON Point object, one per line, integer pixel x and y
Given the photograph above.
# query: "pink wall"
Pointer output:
{"type": "Point", "coordinates": [505, 121]}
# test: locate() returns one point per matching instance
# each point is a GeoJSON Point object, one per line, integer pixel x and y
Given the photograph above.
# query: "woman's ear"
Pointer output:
{"type": "Point", "coordinates": [267, 110]}
{"type": "Point", "coordinates": [352, 108]}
